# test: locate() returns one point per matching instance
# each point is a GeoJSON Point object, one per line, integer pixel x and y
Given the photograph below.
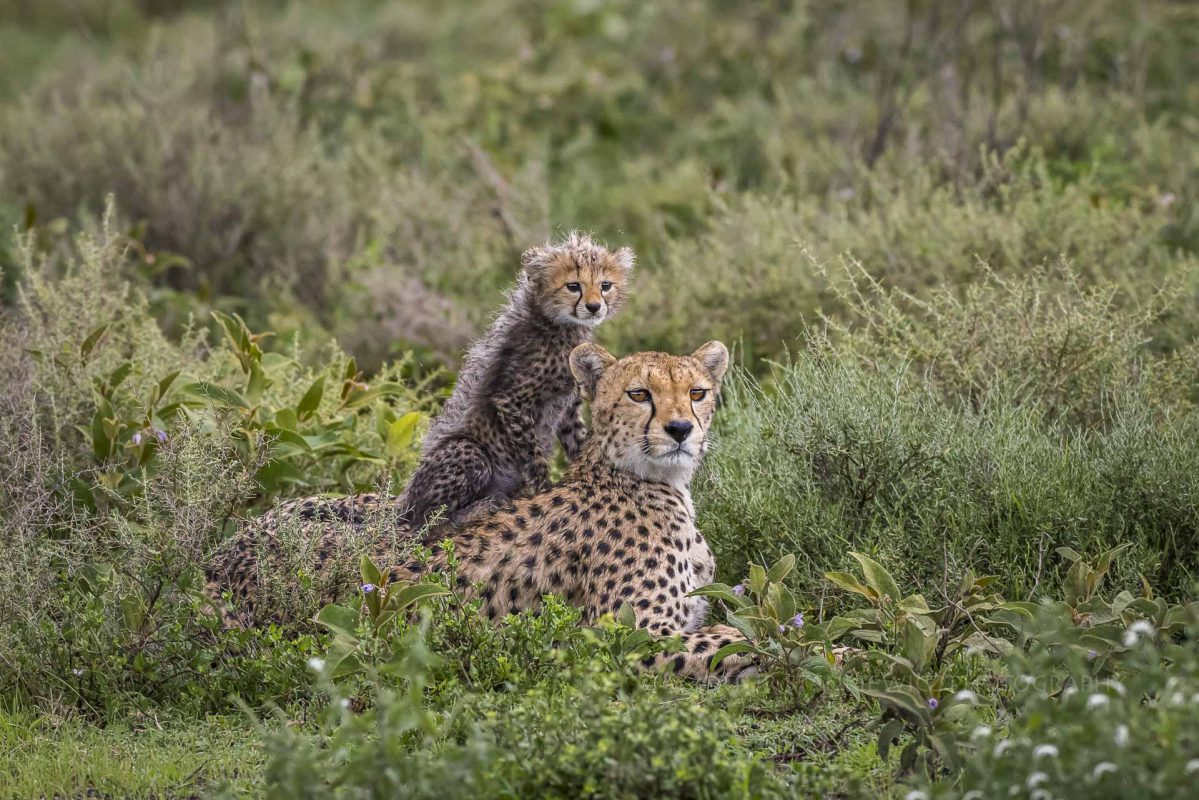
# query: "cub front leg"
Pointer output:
{"type": "Point", "coordinates": [572, 431]}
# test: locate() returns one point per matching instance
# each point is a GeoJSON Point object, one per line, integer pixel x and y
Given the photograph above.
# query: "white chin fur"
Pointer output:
{"type": "Point", "coordinates": [675, 468]}
{"type": "Point", "coordinates": [585, 322]}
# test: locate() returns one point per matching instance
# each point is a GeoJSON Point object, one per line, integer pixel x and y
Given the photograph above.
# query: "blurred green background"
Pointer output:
{"type": "Point", "coordinates": [373, 169]}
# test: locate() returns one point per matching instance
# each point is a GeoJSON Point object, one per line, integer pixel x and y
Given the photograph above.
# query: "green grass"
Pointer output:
{"type": "Point", "coordinates": [150, 758]}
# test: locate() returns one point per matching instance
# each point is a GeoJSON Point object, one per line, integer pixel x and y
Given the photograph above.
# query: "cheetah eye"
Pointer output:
{"type": "Point", "coordinates": [698, 394]}
{"type": "Point", "coordinates": [574, 287]}
{"type": "Point", "coordinates": [605, 286]}
{"type": "Point", "coordinates": [638, 395]}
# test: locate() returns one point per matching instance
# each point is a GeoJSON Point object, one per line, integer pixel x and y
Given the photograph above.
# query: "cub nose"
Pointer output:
{"type": "Point", "coordinates": [593, 307]}
{"type": "Point", "coordinates": [678, 430]}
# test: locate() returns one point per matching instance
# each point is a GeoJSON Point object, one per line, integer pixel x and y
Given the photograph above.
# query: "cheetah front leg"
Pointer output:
{"type": "Point", "coordinates": [666, 618]}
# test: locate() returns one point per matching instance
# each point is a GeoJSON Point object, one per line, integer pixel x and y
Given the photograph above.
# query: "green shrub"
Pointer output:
{"type": "Point", "coordinates": [126, 458]}
{"type": "Point", "coordinates": [585, 725]}
{"type": "Point", "coordinates": [829, 456]}
{"type": "Point", "coordinates": [1133, 734]}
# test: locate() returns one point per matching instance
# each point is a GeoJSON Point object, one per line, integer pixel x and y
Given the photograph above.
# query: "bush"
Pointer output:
{"type": "Point", "coordinates": [828, 456]}
{"type": "Point", "coordinates": [585, 726]}
{"type": "Point", "coordinates": [1133, 734]}
{"type": "Point", "coordinates": [126, 457]}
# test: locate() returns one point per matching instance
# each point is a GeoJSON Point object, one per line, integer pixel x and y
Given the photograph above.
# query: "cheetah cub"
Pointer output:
{"type": "Point", "coordinates": [515, 393]}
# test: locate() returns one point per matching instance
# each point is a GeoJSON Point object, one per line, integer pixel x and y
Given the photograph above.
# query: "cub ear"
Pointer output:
{"type": "Point", "coordinates": [587, 364]}
{"type": "Point", "coordinates": [625, 259]}
{"type": "Point", "coordinates": [715, 358]}
{"type": "Point", "coordinates": [535, 260]}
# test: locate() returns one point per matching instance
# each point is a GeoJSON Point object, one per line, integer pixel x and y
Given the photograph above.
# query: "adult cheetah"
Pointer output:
{"type": "Point", "coordinates": [620, 527]}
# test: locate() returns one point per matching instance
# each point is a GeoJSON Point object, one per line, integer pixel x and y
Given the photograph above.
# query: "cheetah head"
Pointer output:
{"type": "Point", "coordinates": [650, 412]}
{"type": "Point", "coordinates": [577, 281]}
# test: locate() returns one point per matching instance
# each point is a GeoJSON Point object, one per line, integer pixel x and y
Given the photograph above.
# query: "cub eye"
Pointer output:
{"type": "Point", "coordinates": [574, 287]}
{"type": "Point", "coordinates": [698, 394]}
{"type": "Point", "coordinates": [605, 286]}
{"type": "Point", "coordinates": [638, 395]}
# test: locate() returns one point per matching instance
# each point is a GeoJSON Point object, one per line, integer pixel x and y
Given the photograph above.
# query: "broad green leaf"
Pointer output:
{"type": "Point", "coordinates": [918, 645]}
{"type": "Point", "coordinates": [850, 584]}
{"type": "Point", "coordinates": [626, 616]}
{"type": "Point", "coordinates": [256, 384]}
{"type": "Point", "coordinates": [361, 399]}
{"type": "Point", "coordinates": [339, 619]}
{"type": "Point", "coordinates": [419, 591]}
{"type": "Point", "coordinates": [915, 604]}
{"type": "Point", "coordinates": [1071, 555]}
{"type": "Point", "coordinates": [720, 591]}
{"type": "Point", "coordinates": [877, 578]}
{"type": "Point", "coordinates": [165, 383]}
{"type": "Point", "coordinates": [401, 433]}
{"type": "Point", "coordinates": [732, 648]}
{"type": "Point", "coordinates": [757, 578]}
{"type": "Point", "coordinates": [118, 375]}
{"type": "Point", "coordinates": [888, 734]}
{"type": "Point", "coordinates": [368, 571]}
{"type": "Point", "coordinates": [782, 568]}
{"type": "Point", "coordinates": [311, 400]}
{"type": "Point", "coordinates": [91, 341]}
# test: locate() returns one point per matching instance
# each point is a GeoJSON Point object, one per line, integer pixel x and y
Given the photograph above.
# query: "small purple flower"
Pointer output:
{"type": "Point", "coordinates": [77, 672]}
{"type": "Point", "coordinates": [797, 620]}
{"type": "Point", "coordinates": [782, 628]}
{"type": "Point", "coordinates": [1092, 655]}
{"type": "Point", "coordinates": [367, 588]}
{"type": "Point", "coordinates": [161, 436]}
{"type": "Point", "coordinates": [739, 589]}
{"type": "Point", "coordinates": [932, 703]}
{"type": "Point", "coordinates": [137, 438]}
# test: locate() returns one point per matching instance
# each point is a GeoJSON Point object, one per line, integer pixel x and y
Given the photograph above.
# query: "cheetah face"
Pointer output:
{"type": "Point", "coordinates": [651, 411]}
{"type": "Point", "coordinates": [578, 282]}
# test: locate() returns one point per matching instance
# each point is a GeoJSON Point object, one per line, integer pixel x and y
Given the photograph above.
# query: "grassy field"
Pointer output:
{"type": "Point", "coordinates": [954, 246]}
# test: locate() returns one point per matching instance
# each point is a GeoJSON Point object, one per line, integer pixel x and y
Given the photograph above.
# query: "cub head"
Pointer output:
{"type": "Point", "coordinates": [650, 412]}
{"type": "Point", "coordinates": [577, 281]}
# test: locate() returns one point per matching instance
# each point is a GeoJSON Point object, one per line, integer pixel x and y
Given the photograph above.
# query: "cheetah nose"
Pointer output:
{"type": "Point", "coordinates": [593, 307]}
{"type": "Point", "coordinates": [678, 430]}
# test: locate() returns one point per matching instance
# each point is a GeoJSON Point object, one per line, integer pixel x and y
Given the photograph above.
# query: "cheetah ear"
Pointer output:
{"type": "Point", "coordinates": [715, 358]}
{"type": "Point", "coordinates": [625, 259]}
{"type": "Point", "coordinates": [587, 363]}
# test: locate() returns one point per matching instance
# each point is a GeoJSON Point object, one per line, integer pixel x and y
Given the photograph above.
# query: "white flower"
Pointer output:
{"type": "Point", "coordinates": [77, 672]}
{"type": "Point", "coordinates": [966, 696]}
{"type": "Point", "coordinates": [1117, 686]}
{"type": "Point", "coordinates": [1096, 701]}
{"type": "Point", "coordinates": [916, 794]}
{"type": "Point", "coordinates": [344, 702]}
{"type": "Point", "coordinates": [1178, 699]}
{"type": "Point", "coordinates": [1042, 750]}
{"type": "Point", "coordinates": [316, 664]}
{"type": "Point", "coordinates": [1121, 736]}
{"type": "Point", "coordinates": [1027, 680]}
{"type": "Point", "coordinates": [981, 732]}
{"type": "Point", "coordinates": [1069, 692]}
{"type": "Point", "coordinates": [1135, 631]}
{"type": "Point", "coordinates": [1040, 794]}
{"type": "Point", "coordinates": [1001, 748]}
{"type": "Point", "coordinates": [1192, 766]}
{"type": "Point", "coordinates": [973, 794]}
{"type": "Point", "coordinates": [1102, 768]}
{"type": "Point", "coordinates": [1036, 779]}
